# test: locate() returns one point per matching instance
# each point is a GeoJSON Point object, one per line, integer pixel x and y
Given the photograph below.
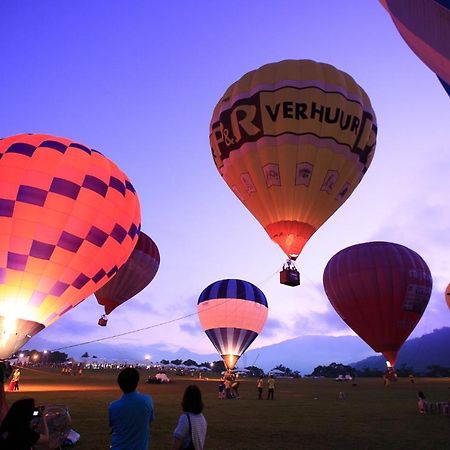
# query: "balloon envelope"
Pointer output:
{"type": "Point", "coordinates": [425, 27]}
{"type": "Point", "coordinates": [232, 313]}
{"type": "Point", "coordinates": [447, 296]}
{"type": "Point", "coordinates": [133, 276]}
{"type": "Point", "coordinates": [69, 219]}
{"type": "Point", "coordinates": [292, 140]}
{"type": "Point", "coordinates": [380, 289]}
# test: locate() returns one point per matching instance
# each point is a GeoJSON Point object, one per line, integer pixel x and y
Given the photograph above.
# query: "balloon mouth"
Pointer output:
{"type": "Point", "coordinates": [391, 357]}
{"type": "Point", "coordinates": [14, 333]}
{"type": "Point", "coordinates": [230, 361]}
{"type": "Point", "coordinates": [108, 304]}
{"type": "Point", "coordinates": [290, 235]}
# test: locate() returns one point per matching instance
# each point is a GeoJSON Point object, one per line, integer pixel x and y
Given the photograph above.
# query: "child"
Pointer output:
{"type": "Point", "coordinates": [222, 390]}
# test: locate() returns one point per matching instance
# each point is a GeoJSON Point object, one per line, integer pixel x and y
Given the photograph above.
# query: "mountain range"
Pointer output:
{"type": "Point", "coordinates": [302, 353]}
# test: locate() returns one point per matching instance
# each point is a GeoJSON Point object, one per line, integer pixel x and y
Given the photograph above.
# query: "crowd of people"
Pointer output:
{"type": "Point", "coordinates": [229, 386]}
{"type": "Point", "coordinates": [130, 418]}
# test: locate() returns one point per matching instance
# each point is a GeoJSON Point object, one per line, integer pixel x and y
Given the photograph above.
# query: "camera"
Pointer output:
{"type": "Point", "coordinates": [37, 412]}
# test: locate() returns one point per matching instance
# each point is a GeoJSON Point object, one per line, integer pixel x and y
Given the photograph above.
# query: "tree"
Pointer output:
{"type": "Point", "coordinates": [437, 371]}
{"type": "Point", "coordinates": [284, 369]}
{"type": "Point", "coordinates": [57, 357]}
{"type": "Point", "coordinates": [369, 372]}
{"type": "Point", "coordinates": [177, 362]}
{"type": "Point", "coordinates": [404, 370]}
{"type": "Point", "coordinates": [255, 371]}
{"type": "Point", "coordinates": [218, 366]}
{"type": "Point", "coordinates": [333, 370]}
{"type": "Point", "coordinates": [85, 355]}
{"type": "Point", "coordinates": [190, 362]}
{"type": "Point", "coordinates": [165, 361]}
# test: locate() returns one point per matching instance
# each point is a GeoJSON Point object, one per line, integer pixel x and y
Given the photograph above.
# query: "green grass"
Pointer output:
{"type": "Point", "coordinates": [306, 413]}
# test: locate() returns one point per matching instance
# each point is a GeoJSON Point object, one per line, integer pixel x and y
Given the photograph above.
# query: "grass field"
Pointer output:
{"type": "Point", "coordinates": [306, 413]}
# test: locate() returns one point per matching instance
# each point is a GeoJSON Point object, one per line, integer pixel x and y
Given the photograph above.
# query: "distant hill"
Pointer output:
{"type": "Point", "coordinates": [417, 353]}
{"type": "Point", "coordinates": [302, 353]}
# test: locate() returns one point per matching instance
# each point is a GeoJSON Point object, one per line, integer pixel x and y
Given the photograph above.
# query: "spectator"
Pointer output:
{"type": "Point", "coordinates": [422, 403]}
{"type": "Point", "coordinates": [271, 387]}
{"type": "Point", "coordinates": [190, 431]}
{"type": "Point", "coordinates": [17, 431]}
{"type": "Point", "coordinates": [131, 415]}
{"type": "Point", "coordinates": [259, 385]}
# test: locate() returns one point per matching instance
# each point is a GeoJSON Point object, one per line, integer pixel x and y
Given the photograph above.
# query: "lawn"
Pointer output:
{"type": "Point", "coordinates": [306, 413]}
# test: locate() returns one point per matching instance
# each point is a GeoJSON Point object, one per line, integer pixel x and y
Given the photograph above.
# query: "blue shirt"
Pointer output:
{"type": "Point", "coordinates": [129, 419]}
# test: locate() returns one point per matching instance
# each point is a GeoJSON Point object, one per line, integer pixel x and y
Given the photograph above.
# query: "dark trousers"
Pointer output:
{"type": "Point", "coordinates": [259, 393]}
{"type": "Point", "coordinates": [270, 394]}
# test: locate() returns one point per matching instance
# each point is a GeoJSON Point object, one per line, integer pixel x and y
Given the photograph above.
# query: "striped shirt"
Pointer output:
{"type": "Point", "coordinates": [198, 424]}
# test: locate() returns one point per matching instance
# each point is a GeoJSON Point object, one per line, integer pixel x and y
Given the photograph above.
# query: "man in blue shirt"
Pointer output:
{"type": "Point", "coordinates": [131, 415]}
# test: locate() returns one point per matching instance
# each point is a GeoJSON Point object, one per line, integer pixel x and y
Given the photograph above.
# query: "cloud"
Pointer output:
{"type": "Point", "coordinates": [272, 327]}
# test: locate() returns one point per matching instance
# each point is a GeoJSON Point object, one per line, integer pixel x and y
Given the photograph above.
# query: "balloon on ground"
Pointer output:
{"type": "Point", "coordinates": [69, 219]}
{"type": "Point", "coordinates": [380, 290]}
{"type": "Point", "coordinates": [292, 140]}
{"type": "Point", "coordinates": [232, 313]}
{"type": "Point", "coordinates": [139, 270]}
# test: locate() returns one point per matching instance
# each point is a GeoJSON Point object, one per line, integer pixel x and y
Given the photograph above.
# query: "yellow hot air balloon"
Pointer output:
{"type": "Point", "coordinates": [292, 140]}
{"type": "Point", "coordinates": [447, 296]}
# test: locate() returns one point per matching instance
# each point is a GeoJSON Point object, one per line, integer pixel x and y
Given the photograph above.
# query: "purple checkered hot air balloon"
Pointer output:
{"type": "Point", "coordinates": [232, 313]}
{"type": "Point", "coordinates": [139, 270]}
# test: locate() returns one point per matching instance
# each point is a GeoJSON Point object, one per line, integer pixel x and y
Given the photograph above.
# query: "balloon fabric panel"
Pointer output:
{"type": "Point", "coordinates": [447, 296]}
{"type": "Point", "coordinates": [292, 140]}
{"type": "Point", "coordinates": [232, 313]}
{"type": "Point", "coordinates": [139, 270]}
{"type": "Point", "coordinates": [55, 200]}
{"type": "Point", "coordinates": [425, 27]}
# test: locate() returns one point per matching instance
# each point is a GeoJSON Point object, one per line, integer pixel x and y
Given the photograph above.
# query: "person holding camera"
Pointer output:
{"type": "Point", "coordinates": [18, 429]}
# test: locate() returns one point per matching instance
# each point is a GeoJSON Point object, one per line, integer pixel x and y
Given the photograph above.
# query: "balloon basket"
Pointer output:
{"type": "Point", "coordinates": [103, 321]}
{"type": "Point", "coordinates": [290, 276]}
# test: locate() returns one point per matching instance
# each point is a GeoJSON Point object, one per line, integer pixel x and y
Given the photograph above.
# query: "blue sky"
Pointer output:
{"type": "Point", "coordinates": [138, 81]}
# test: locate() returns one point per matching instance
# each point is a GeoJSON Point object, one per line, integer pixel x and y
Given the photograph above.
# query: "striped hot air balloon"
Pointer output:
{"type": "Point", "coordinates": [232, 313]}
{"type": "Point", "coordinates": [69, 219]}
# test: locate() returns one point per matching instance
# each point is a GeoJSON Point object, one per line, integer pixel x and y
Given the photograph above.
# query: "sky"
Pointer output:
{"type": "Point", "coordinates": [139, 80]}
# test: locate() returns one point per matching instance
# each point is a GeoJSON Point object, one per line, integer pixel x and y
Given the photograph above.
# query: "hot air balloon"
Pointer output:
{"type": "Point", "coordinates": [380, 290]}
{"type": "Point", "coordinates": [447, 296]}
{"type": "Point", "coordinates": [232, 313]}
{"type": "Point", "coordinates": [69, 219]}
{"type": "Point", "coordinates": [292, 140]}
{"type": "Point", "coordinates": [425, 27]}
{"type": "Point", "coordinates": [132, 277]}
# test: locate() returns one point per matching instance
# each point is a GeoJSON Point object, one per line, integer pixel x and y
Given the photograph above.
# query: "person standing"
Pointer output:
{"type": "Point", "coordinates": [131, 415]}
{"type": "Point", "coordinates": [271, 387]}
{"type": "Point", "coordinates": [15, 379]}
{"type": "Point", "coordinates": [259, 385]}
{"type": "Point", "coordinates": [190, 432]}
{"type": "Point", "coordinates": [422, 403]}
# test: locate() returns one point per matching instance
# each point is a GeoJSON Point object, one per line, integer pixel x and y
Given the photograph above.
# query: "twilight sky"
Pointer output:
{"type": "Point", "coordinates": [138, 81]}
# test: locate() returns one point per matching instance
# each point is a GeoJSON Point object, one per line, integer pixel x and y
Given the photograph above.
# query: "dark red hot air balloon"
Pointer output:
{"type": "Point", "coordinates": [132, 278]}
{"type": "Point", "coordinates": [380, 289]}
